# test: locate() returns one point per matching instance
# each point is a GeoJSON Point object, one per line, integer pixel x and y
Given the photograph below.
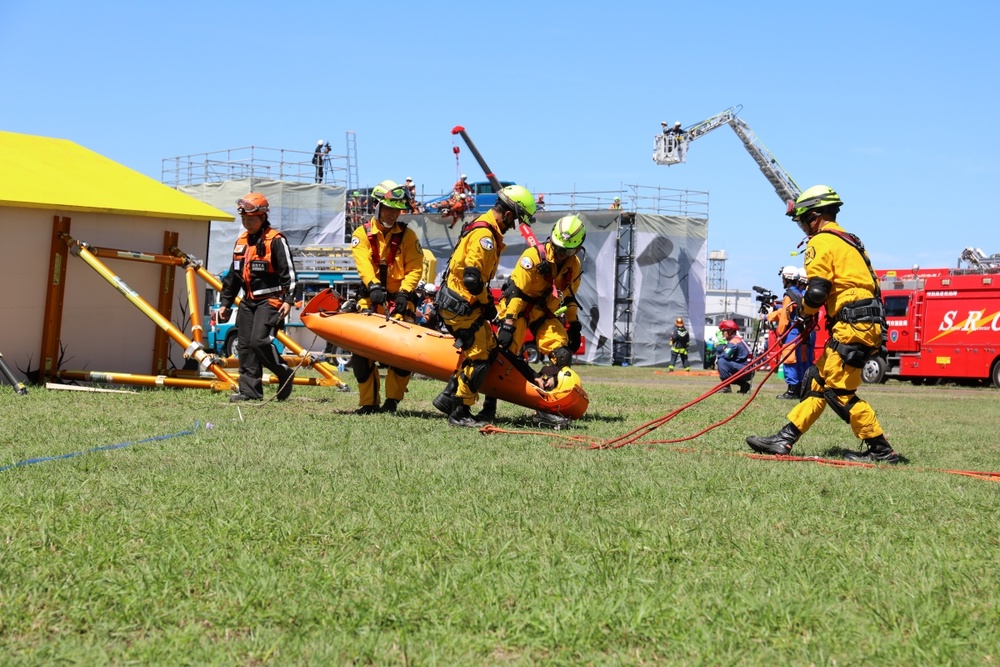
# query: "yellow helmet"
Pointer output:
{"type": "Point", "coordinates": [568, 233]}
{"type": "Point", "coordinates": [818, 196]}
{"type": "Point", "coordinates": [390, 194]}
{"type": "Point", "coordinates": [520, 201]}
{"type": "Point", "coordinates": [566, 381]}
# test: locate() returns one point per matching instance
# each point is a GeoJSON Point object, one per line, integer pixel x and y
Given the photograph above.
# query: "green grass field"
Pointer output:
{"type": "Point", "coordinates": [297, 533]}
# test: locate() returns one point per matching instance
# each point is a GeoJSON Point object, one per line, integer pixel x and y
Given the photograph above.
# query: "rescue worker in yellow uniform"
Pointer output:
{"type": "Point", "coordinates": [841, 278]}
{"type": "Point", "coordinates": [262, 267]}
{"type": "Point", "coordinates": [544, 282]}
{"type": "Point", "coordinates": [465, 304]}
{"type": "Point", "coordinates": [390, 261]}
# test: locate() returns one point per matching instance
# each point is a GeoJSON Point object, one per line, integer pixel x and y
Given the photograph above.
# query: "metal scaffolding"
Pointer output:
{"type": "Point", "coordinates": [259, 163]}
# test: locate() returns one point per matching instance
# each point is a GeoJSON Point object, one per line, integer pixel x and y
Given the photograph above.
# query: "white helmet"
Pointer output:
{"type": "Point", "coordinates": [320, 142]}
{"type": "Point", "coordinates": [789, 273]}
{"type": "Point", "coordinates": [803, 276]}
{"type": "Point", "coordinates": [409, 178]}
{"type": "Point", "coordinates": [464, 177]}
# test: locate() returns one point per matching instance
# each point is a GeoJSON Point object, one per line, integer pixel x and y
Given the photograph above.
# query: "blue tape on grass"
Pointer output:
{"type": "Point", "coordinates": [102, 448]}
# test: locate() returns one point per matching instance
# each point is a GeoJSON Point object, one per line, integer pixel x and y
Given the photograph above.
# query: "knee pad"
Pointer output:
{"type": "Point", "coordinates": [812, 373]}
{"type": "Point", "coordinates": [475, 374]}
{"type": "Point", "coordinates": [561, 357]}
{"type": "Point", "coordinates": [362, 368]}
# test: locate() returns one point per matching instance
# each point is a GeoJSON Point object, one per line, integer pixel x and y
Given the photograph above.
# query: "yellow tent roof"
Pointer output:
{"type": "Point", "coordinates": [42, 172]}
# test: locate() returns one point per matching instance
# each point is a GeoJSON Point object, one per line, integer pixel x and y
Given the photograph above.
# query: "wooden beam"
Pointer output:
{"type": "Point", "coordinates": [165, 306]}
{"type": "Point", "coordinates": [55, 293]}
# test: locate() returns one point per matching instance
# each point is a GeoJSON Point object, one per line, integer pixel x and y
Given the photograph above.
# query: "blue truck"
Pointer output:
{"type": "Point", "coordinates": [316, 268]}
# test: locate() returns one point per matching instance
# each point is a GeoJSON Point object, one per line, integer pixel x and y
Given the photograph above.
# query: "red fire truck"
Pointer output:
{"type": "Point", "coordinates": [944, 324]}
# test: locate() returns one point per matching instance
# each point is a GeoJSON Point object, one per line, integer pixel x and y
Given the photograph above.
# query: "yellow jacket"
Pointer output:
{"type": "Point", "coordinates": [831, 258]}
{"type": "Point", "coordinates": [529, 280]}
{"type": "Point", "coordinates": [404, 273]}
{"type": "Point", "coordinates": [480, 248]}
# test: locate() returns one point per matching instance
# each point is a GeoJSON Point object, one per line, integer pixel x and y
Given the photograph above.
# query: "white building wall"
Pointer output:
{"type": "Point", "coordinates": [101, 329]}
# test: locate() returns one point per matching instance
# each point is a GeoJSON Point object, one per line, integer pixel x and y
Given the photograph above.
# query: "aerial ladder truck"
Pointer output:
{"type": "Point", "coordinates": [670, 147]}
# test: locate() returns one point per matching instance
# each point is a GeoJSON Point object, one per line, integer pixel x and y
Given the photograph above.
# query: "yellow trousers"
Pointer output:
{"type": "Point", "coordinates": [836, 375]}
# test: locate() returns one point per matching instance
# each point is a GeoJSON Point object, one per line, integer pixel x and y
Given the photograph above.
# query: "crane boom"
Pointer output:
{"type": "Point", "coordinates": [671, 148]}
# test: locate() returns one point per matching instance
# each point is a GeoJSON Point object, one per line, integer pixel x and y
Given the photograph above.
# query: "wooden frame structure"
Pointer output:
{"type": "Point", "coordinates": [172, 257]}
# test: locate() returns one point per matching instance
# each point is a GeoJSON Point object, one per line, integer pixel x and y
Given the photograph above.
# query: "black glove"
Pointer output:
{"type": "Point", "coordinates": [490, 312]}
{"type": "Point", "coordinates": [401, 303]}
{"type": "Point", "coordinates": [574, 332]}
{"type": "Point", "coordinates": [377, 295]}
{"type": "Point", "coordinates": [505, 335]}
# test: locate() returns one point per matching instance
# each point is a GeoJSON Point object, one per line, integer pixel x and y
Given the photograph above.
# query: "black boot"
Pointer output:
{"type": "Point", "coordinates": [791, 393]}
{"type": "Point", "coordinates": [461, 415]}
{"type": "Point", "coordinates": [879, 451]}
{"type": "Point", "coordinates": [443, 401]}
{"type": "Point", "coordinates": [367, 410]}
{"type": "Point", "coordinates": [745, 386]}
{"type": "Point", "coordinates": [390, 405]}
{"type": "Point", "coordinates": [489, 412]}
{"type": "Point", "coordinates": [285, 383]}
{"type": "Point", "coordinates": [779, 443]}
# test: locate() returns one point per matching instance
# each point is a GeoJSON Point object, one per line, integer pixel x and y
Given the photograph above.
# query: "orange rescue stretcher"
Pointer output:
{"type": "Point", "coordinates": [421, 350]}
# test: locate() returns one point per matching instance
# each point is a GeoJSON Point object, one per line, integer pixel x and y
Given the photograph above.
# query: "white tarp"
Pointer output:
{"type": "Point", "coordinates": [668, 277]}
{"type": "Point", "coordinates": [307, 213]}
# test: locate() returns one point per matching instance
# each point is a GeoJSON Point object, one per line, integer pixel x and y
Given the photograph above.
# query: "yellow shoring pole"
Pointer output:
{"type": "Point", "coordinates": [326, 370]}
{"type": "Point", "coordinates": [140, 380]}
{"type": "Point", "coordinates": [192, 350]}
{"type": "Point", "coordinates": [197, 332]}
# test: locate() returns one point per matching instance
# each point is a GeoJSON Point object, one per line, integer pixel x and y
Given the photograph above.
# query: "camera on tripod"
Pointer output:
{"type": "Point", "coordinates": [765, 297]}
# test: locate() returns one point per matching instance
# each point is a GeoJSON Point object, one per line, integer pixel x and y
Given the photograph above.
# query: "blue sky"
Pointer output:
{"type": "Point", "coordinates": [893, 107]}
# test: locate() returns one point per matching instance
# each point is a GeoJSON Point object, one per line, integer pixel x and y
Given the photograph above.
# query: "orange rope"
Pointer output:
{"type": "Point", "coordinates": [635, 435]}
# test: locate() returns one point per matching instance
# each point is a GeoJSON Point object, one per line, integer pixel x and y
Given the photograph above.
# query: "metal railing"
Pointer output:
{"type": "Point", "coordinates": [633, 198]}
{"type": "Point", "coordinates": [252, 162]}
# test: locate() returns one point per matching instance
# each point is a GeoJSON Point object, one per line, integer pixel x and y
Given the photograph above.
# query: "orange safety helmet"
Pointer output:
{"type": "Point", "coordinates": [253, 204]}
{"type": "Point", "coordinates": [679, 321]}
{"type": "Point", "coordinates": [728, 325]}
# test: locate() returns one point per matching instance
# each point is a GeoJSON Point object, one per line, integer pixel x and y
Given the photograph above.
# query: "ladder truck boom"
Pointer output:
{"type": "Point", "coordinates": [671, 148]}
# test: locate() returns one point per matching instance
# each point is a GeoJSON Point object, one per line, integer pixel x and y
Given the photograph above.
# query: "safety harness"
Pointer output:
{"type": "Point", "coordinates": [394, 241]}
{"type": "Point", "coordinates": [512, 291]}
{"type": "Point", "coordinates": [449, 300]}
{"type": "Point", "coordinates": [863, 311]}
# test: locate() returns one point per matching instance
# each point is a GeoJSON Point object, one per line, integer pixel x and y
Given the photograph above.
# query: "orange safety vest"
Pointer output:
{"type": "Point", "coordinates": [256, 267]}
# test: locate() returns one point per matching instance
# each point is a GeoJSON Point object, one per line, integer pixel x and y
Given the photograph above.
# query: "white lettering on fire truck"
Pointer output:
{"type": "Point", "coordinates": [972, 322]}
